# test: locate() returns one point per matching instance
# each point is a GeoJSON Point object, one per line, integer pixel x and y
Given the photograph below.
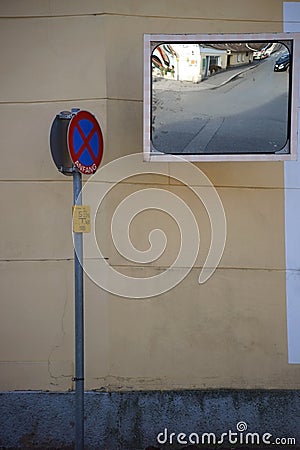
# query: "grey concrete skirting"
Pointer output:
{"type": "Point", "coordinates": [155, 419]}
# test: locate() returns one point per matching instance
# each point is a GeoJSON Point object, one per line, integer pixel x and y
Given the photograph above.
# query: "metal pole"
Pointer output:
{"type": "Point", "coordinates": [79, 323]}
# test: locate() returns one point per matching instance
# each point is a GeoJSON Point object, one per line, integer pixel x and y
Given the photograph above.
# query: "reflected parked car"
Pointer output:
{"type": "Point", "coordinates": [282, 63]}
{"type": "Point", "coordinates": [260, 54]}
{"type": "Point", "coordinates": [257, 54]}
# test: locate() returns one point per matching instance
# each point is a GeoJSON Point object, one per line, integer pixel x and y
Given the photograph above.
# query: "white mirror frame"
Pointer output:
{"type": "Point", "coordinates": [152, 40]}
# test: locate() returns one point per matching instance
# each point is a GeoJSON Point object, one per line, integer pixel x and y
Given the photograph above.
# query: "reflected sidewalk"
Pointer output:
{"type": "Point", "coordinates": [214, 81]}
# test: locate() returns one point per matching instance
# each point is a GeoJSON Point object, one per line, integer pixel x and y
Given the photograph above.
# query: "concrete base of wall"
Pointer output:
{"type": "Point", "coordinates": [133, 420]}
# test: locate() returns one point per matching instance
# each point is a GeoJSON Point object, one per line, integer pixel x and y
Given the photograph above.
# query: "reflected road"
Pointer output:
{"type": "Point", "coordinates": [247, 115]}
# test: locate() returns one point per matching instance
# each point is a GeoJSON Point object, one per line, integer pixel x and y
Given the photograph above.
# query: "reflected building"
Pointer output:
{"type": "Point", "coordinates": [196, 61]}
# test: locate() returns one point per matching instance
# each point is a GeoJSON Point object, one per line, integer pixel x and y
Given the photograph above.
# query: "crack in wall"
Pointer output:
{"type": "Point", "coordinates": [54, 379]}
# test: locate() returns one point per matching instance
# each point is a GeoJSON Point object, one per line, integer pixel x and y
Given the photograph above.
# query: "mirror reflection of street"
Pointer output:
{"type": "Point", "coordinates": [242, 109]}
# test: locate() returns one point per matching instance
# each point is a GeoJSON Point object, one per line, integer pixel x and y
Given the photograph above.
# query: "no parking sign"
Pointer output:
{"type": "Point", "coordinates": [76, 144]}
{"type": "Point", "coordinates": [85, 142]}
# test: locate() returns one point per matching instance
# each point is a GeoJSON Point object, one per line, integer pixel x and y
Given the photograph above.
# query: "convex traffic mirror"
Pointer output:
{"type": "Point", "coordinates": [221, 97]}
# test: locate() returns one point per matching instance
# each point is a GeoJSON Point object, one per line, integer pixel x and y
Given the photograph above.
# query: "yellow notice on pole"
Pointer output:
{"type": "Point", "coordinates": [81, 219]}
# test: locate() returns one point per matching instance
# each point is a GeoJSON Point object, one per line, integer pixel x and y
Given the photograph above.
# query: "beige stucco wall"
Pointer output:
{"type": "Point", "coordinates": [228, 332]}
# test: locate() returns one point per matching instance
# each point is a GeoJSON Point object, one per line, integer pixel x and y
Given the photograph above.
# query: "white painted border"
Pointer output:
{"type": "Point", "coordinates": [291, 18]}
{"type": "Point", "coordinates": [155, 39]}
